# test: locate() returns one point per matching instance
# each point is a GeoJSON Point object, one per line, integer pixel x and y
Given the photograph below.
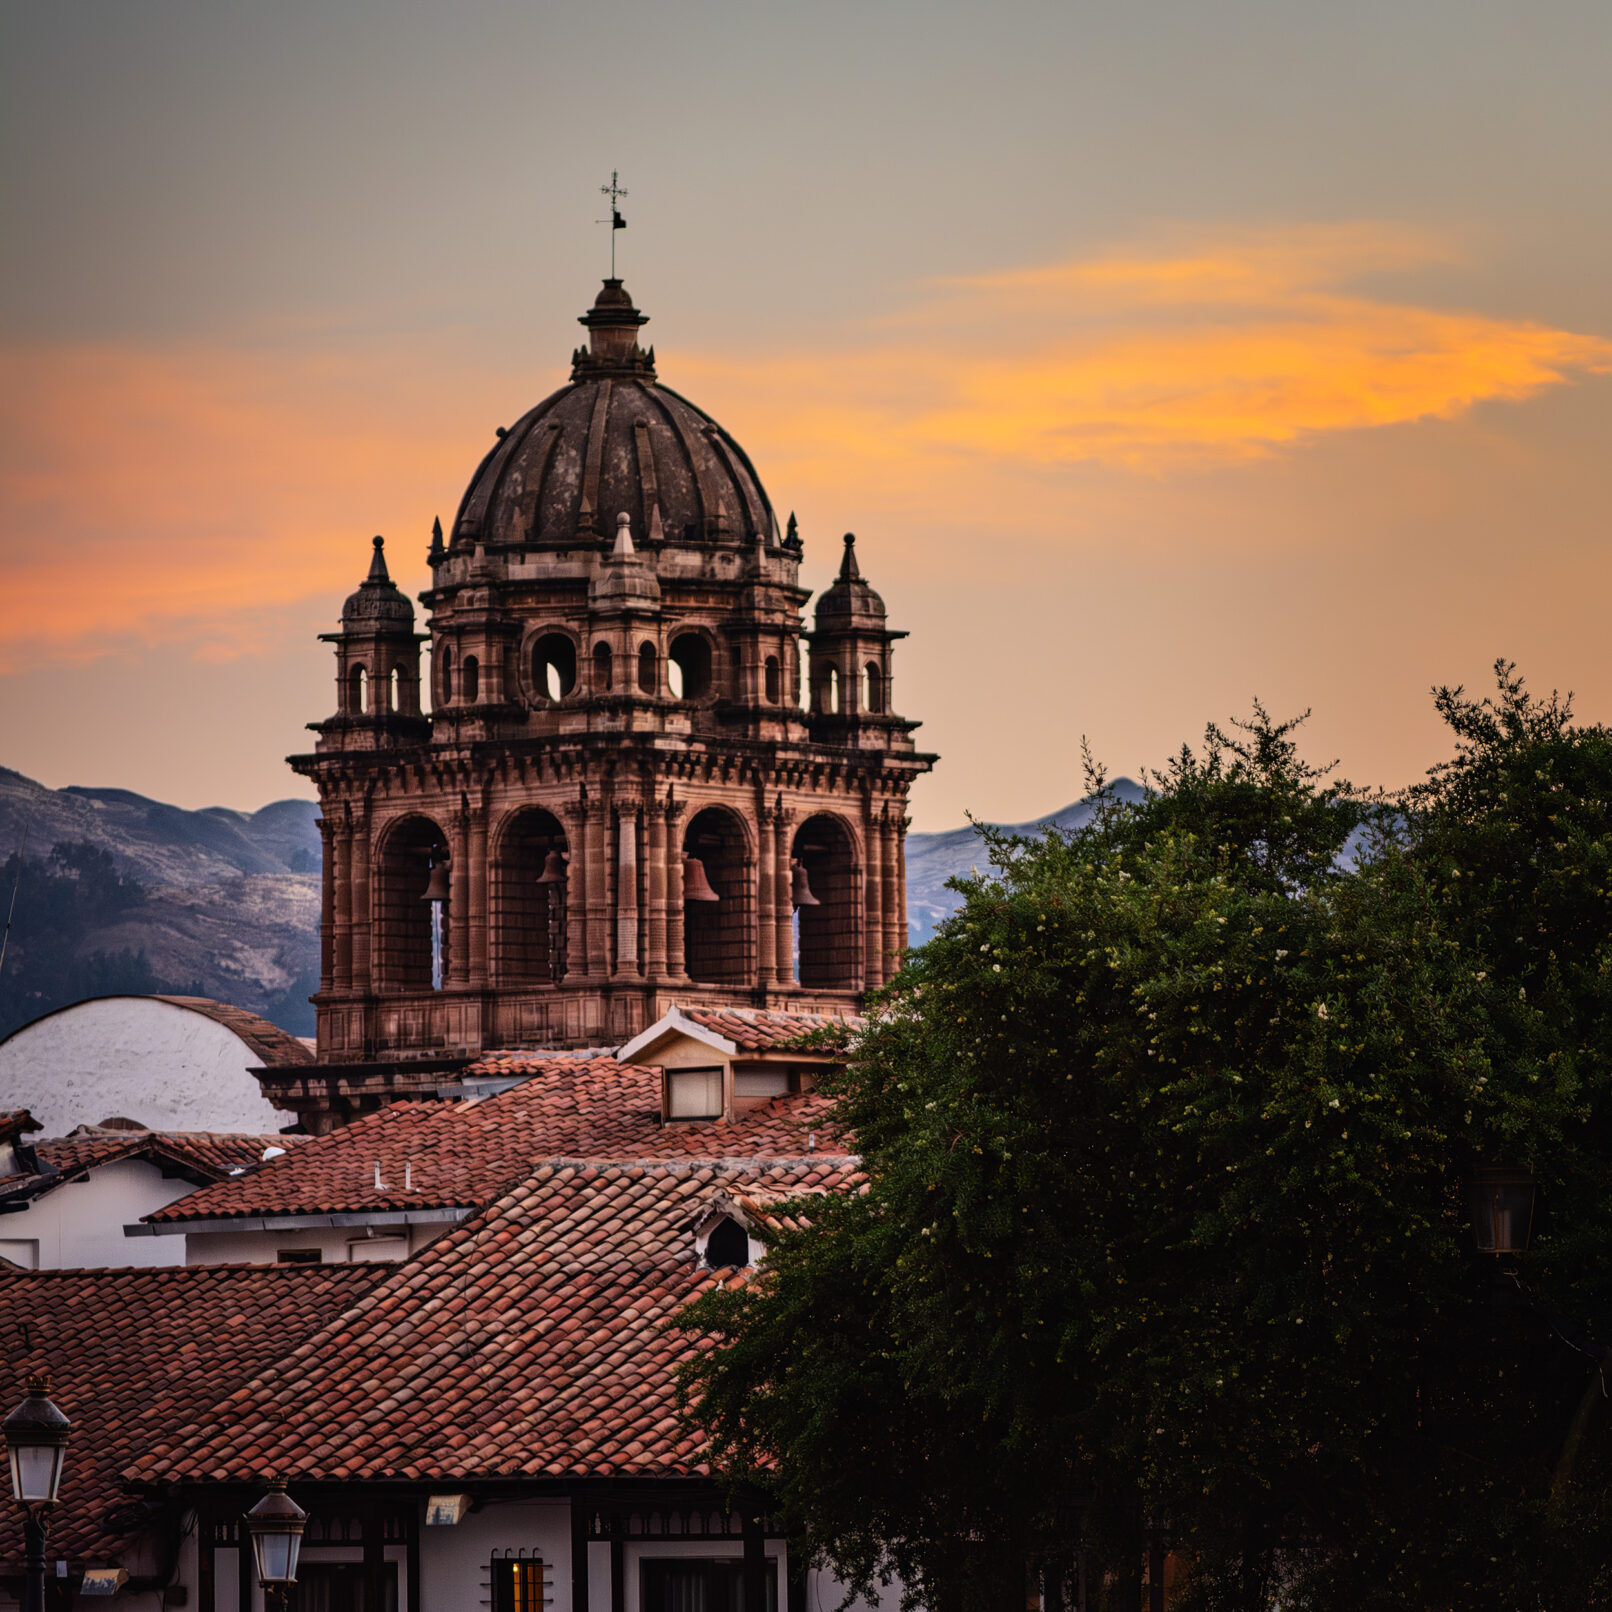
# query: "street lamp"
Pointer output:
{"type": "Point", "coordinates": [1502, 1203]}
{"type": "Point", "coordinates": [36, 1441]}
{"type": "Point", "coordinates": [276, 1523]}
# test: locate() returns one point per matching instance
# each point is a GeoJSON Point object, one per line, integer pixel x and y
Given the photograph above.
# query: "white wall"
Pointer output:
{"type": "Point", "coordinates": [335, 1243]}
{"type": "Point", "coordinates": [454, 1562]}
{"type": "Point", "coordinates": [80, 1223]}
{"type": "Point", "coordinates": [138, 1058]}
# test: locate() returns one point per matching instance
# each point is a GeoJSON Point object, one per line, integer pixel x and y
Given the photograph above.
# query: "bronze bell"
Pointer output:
{"type": "Point", "coordinates": [436, 888]}
{"type": "Point", "coordinates": [553, 869]}
{"type": "Point", "coordinates": [800, 891]}
{"type": "Point", "coordinates": [696, 887]}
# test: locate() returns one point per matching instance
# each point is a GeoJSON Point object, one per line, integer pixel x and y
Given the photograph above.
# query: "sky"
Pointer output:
{"type": "Point", "coordinates": [1162, 356]}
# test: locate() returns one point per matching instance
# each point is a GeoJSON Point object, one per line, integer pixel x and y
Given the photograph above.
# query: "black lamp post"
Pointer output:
{"type": "Point", "coordinates": [275, 1524]}
{"type": "Point", "coordinates": [36, 1441]}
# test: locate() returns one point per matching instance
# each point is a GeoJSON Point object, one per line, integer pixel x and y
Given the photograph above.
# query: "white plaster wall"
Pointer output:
{"type": "Point", "coordinates": [80, 1223]}
{"type": "Point", "coordinates": [262, 1247]}
{"type": "Point", "coordinates": [454, 1561]}
{"type": "Point", "coordinates": [139, 1058]}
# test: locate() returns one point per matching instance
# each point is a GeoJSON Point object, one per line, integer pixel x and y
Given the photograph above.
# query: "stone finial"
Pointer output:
{"type": "Point", "coordinates": [849, 570]}
{"type": "Point", "coordinates": [377, 566]}
{"type": "Point", "coordinates": [437, 550]}
{"type": "Point", "coordinates": [623, 549]}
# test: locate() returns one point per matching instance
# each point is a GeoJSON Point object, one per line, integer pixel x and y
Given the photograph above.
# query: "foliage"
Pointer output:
{"type": "Point", "coordinates": [62, 900]}
{"type": "Point", "coordinates": [1166, 1135]}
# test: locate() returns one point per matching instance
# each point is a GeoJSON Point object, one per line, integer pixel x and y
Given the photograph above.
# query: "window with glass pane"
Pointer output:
{"type": "Point", "coordinates": [693, 1584]}
{"type": "Point", "coordinates": [517, 1586]}
{"type": "Point", "coordinates": [694, 1094]}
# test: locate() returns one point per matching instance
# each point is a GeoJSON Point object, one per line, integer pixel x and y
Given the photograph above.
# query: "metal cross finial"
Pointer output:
{"type": "Point", "coordinates": [615, 220]}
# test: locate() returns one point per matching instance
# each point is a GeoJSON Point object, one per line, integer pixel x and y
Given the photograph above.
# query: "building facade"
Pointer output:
{"type": "Point", "coordinates": [641, 781]}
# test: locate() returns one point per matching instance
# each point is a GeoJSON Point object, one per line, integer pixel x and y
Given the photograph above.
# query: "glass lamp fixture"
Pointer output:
{"type": "Point", "coordinates": [36, 1441]}
{"type": "Point", "coordinates": [1502, 1203]}
{"type": "Point", "coordinates": [276, 1523]}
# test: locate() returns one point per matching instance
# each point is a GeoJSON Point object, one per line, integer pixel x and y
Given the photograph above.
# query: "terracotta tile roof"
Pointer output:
{"type": "Point", "coordinates": [204, 1155]}
{"type": "Point", "coordinates": [268, 1041]}
{"type": "Point", "coordinates": [757, 1030]}
{"type": "Point", "coordinates": [137, 1358]}
{"type": "Point", "coordinates": [465, 1154]}
{"type": "Point", "coordinates": [15, 1121]}
{"type": "Point", "coordinates": [529, 1341]}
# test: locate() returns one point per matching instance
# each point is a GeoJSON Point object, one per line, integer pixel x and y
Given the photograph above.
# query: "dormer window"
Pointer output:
{"type": "Point", "coordinates": [694, 1093]}
{"type": "Point", "coordinates": [728, 1245]}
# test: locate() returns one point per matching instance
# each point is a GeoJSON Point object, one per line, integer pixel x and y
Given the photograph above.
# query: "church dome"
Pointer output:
{"type": "Point", "coordinates": [614, 442]}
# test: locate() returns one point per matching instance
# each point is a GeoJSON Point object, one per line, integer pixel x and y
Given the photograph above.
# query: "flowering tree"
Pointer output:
{"type": "Point", "coordinates": [1167, 1134]}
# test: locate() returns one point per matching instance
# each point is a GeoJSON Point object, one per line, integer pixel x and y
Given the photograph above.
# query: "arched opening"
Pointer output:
{"type": "Point", "coordinates": [717, 934]}
{"type": "Point", "coordinates": [411, 906]}
{"type": "Point", "coordinates": [394, 692]}
{"type": "Point", "coordinates": [833, 688]}
{"type": "Point", "coordinates": [828, 926]}
{"type": "Point", "coordinates": [603, 668]}
{"type": "Point", "coordinates": [470, 680]}
{"type": "Point", "coordinates": [728, 1245]}
{"type": "Point", "coordinates": [648, 669]}
{"type": "Point", "coordinates": [773, 681]}
{"type": "Point", "coordinates": [447, 674]}
{"type": "Point", "coordinates": [530, 879]}
{"type": "Point", "coordinates": [872, 688]}
{"type": "Point", "coordinates": [554, 666]}
{"type": "Point", "coordinates": [357, 689]}
{"type": "Point", "coordinates": [688, 668]}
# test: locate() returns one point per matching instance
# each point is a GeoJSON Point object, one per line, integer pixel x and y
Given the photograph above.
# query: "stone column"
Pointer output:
{"type": "Point", "coordinates": [478, 896]}
{"type": "Point", "coordinates": [873, 900]}
{"type": "Point", "coordinates": [676, 968]}
{"type": "Point", "coordinates": [895, 908]}
{"type": "Point", "coordinates": [598, 892]}
{"type": "Point", "coordinates": [575, 824]}
{"type": "Point", "coordinates": [655, 891]}
{"type": "Point", "coordinates": [458, 970]}
{"type": "Point", "coordinates": [626, 889]}
{"type": "Point", "coordinates": [359, 901]}
{"type": "Point", "coordinates": [342, 924]}
{"type": "Point", "coordinates": [766, 883]}
{"type": "Point", "coordinates": [327, 905]}
{"type": "Point", "coordinates": [783, 907]}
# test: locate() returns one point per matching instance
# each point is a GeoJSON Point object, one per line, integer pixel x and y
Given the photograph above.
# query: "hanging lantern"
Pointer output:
{"type": "Point", "coordinates": [276, 1523]}
{"type": "Point", "coordinates": [36, 1440]}
{"type": "Point", "coordinates": [1502, 1205]}
{"type": "Point", "coordinates": [436, 888]}
{"type": "Point", "coordinates": [800, 890]}
{"type": "Point", "coordinates": [553, 869]}
{"type": "Point", "coordinates": [696, 887]}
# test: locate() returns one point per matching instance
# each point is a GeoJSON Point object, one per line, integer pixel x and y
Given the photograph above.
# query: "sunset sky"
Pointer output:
{"type": "Point", "coordinates": [1160, 355]}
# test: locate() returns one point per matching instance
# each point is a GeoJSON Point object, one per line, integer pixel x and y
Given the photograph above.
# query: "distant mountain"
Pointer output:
{"type": "Point", "coordinates": [232, 908]}
{"type": "Point", "coordinates": [932, 859]}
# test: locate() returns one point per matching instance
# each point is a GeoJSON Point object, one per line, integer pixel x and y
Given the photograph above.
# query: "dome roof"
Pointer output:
{"type": "Point", "coordinates": [849, 601]}
{"type": "Point", "coordinates": [379, 599]}
{"type": "Point", "coordinates": [613, 442]}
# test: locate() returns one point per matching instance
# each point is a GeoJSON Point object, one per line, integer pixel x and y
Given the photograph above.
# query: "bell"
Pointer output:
{"type": "Point", "coordinates": [696, 887]}
{"type": "Point", "coordinates": [436, 888]}
{"type": "Point", "coordinates": [800, 892]}
{"type": "Point", "coordinates": [553, 869]}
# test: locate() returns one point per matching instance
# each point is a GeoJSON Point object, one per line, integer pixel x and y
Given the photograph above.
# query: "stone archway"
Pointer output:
{"type": "Point", "coordinates": [829, 934]}
{"type": "Point", "coordinates": [719, 936]}
{"type": "Point", "coordinates": [405, 953]}
{"type": "Point", "coordinates": [529, 917]}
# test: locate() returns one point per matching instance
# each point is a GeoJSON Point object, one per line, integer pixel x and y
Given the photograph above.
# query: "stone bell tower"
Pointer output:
{"type": "Point", "coordinates": [619, 800]}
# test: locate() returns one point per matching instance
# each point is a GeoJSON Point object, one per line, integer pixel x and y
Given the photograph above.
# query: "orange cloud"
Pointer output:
{"type": "Point", "coordinates": [1148, 363]}
{"type": "Point", "coordinates": [199, 494]}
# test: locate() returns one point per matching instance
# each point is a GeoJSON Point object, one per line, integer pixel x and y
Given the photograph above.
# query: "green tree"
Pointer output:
{"type": "Point", "coordinates": [1166, 1135]}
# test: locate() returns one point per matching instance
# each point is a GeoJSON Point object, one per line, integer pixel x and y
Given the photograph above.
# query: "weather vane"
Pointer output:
{"type": "Point", "coordinates": [615, 220]}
